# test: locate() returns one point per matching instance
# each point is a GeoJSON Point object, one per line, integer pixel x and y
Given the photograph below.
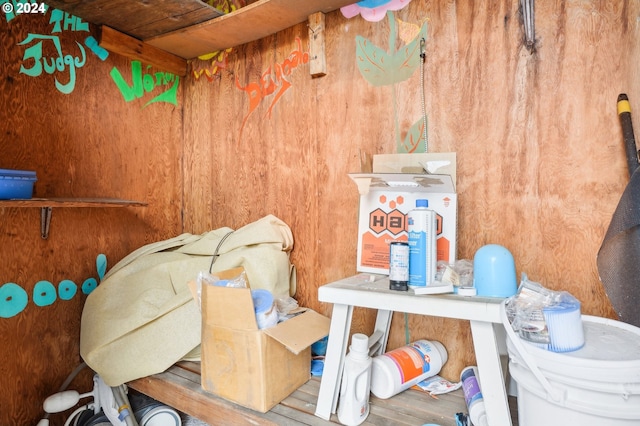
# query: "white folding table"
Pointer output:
{"type": "Point", "coordinates": [372, 291]}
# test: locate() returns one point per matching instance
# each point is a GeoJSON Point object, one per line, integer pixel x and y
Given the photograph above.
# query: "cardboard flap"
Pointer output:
{"type": "Point", "coordinates": [229, 307]}
{"type": "Point", "coordinates": [404, 181]}
{"type": "Point", "coordinates": [363, 182]}
{"type": "Point", "coordinates": [441, 163]}
{"type": "Point", "coordinates": [301, 331]}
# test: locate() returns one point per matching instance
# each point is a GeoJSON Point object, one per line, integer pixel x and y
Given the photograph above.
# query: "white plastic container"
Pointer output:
{"type": "Point", "coordinates": [473, 396]}
{"type": "Point", "coordinates": [564, 324]}
{"type": "Point", "coordinates": [421, 226]}
{"type": "Point", "coordinates": [353, 407]}
{"type": "Point", "coordinates": [596, 385]}
{"type": "Point", "coordinates": [401, 368]}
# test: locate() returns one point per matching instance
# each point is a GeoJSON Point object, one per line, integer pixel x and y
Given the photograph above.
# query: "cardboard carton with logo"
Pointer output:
{"type": "Point", "coordinates": [256, 368]}
{"type": "Point", "coordinates": [391, 191]}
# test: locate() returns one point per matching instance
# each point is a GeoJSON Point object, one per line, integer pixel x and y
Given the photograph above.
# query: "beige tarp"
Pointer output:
{"type": "Point", "coordinates": [142, 317]}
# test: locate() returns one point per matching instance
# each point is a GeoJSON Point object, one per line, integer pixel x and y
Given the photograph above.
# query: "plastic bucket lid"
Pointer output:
{"type": "Point", "coordinates": [611, 353]}
{"type": "Point", "coordinates": [17, 174]}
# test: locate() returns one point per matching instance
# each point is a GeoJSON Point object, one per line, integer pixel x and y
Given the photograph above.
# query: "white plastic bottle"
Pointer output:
{"type": "Point", "coordinates": [421, 225]}
{"type": "Point", "coordinates": [353, 407]}
{"type": "Point", "coordinates": [402, 368]}
{"type": "Point", "coordinates": [473, 396]}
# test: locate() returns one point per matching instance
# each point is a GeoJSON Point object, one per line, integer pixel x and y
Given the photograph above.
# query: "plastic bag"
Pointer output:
{"type": "Point", "coordinates": [460, 274]}
{"type": "Point", "coordinates": [206, 278]}
{"type": "Point", "coordinates": [525, 310]}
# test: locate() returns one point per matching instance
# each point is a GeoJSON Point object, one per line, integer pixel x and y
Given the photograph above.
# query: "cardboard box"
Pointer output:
{"type": "Point", "coordinates": [386, 198]}
{"type": "Point", "coordinates": [251, 367]}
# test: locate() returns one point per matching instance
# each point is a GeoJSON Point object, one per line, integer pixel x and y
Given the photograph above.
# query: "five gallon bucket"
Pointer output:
{"type": "Point", "coordinates": [596, 385]}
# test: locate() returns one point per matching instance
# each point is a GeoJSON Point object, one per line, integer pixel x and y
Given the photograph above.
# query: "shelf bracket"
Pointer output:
{"type": "Point", "coordinates": [45, 221]}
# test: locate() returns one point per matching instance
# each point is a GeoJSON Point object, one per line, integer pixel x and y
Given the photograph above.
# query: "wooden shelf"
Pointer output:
{"type": "Point", "coordinates": [180, 387]}
{"type": "Point", "coordinates": [71, 202]}
{"type": "Point", "coordinates": [46, 206]}
{"type": "Point", "coordinates": [249, 23]}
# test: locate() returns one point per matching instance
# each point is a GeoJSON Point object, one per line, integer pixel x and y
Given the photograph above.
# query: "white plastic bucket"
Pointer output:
{"type": "Point", "coordinates": [596, 385]}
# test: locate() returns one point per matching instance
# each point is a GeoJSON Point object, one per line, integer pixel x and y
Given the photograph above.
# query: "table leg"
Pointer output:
{"type": "Point", "coordinates": [334, 360]}
{"type": "Point", "coordinates": [380, 336]}
{"type": "Point", "coordinates": [490, 371]}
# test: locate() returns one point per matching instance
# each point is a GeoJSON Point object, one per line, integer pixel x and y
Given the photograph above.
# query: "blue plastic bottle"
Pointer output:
{"type": "Point", "coordinates": [422, 245]}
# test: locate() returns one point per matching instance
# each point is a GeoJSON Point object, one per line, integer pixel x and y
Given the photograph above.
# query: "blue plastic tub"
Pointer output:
{"type": "Point", "coordinates": [16, 184]}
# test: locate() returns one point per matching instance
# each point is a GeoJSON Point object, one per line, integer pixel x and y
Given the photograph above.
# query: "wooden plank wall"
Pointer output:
{"type": "Point", "coordinates": [541, 164]}
{"type": "Point", "coordinates": [89, 143]}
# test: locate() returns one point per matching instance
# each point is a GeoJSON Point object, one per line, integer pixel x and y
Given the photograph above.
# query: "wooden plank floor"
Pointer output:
{"type": "Point", "coordinates": [179, 387]}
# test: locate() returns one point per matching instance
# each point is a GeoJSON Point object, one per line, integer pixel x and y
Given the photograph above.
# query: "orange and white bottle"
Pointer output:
{"type": "Point", "coordinates": [401, 368]}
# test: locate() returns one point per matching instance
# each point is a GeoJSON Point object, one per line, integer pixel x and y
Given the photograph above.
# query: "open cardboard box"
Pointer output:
{"type": "Point", "coordinates": [251, 367]}
{"type": "Point", "coordinates": [387, 195]}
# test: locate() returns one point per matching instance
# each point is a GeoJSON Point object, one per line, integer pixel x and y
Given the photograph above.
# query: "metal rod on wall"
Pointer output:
{"type": "Point", "coordinates": [528, 19]}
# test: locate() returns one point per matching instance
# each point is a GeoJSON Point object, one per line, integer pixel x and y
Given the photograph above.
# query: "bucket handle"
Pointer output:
{"type": "Point", "coordinates": [524, 354]}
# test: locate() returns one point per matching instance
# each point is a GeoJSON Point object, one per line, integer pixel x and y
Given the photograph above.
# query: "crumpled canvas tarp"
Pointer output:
{"type": "Point", "coordinates": [142, 318]}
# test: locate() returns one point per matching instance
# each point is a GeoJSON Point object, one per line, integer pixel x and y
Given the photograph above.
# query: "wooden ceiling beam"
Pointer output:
{"type": "Point", "coordinates": [132, 48]}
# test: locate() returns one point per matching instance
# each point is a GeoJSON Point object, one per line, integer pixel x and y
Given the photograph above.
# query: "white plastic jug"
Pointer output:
{"type": "Point", "coordinates": [353, 408]}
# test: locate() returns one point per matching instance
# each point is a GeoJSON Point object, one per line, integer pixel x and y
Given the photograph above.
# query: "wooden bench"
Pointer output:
{"type": "Point", "coordinates": [179, 387]}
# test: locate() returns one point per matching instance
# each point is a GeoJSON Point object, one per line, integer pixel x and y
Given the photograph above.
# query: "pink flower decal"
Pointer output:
{"type": "Point", "coordinates": [372, 10]}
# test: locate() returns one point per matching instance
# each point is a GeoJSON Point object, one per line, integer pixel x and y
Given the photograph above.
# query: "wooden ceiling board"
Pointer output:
{"type": "Point", "coordinates": [252, 22]}
{"type": "Point", "coordinates": [191, 28]}
{"type": "Point", "coordinates": [165, 25]}
{"type": "Point", "coordinates": [139, 18]}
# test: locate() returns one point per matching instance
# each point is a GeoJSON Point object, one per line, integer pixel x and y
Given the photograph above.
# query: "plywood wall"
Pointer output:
{"type": "Point", "coordinates": [540, 154]}
{"type": "Point", "coordinates": [88, 143]}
